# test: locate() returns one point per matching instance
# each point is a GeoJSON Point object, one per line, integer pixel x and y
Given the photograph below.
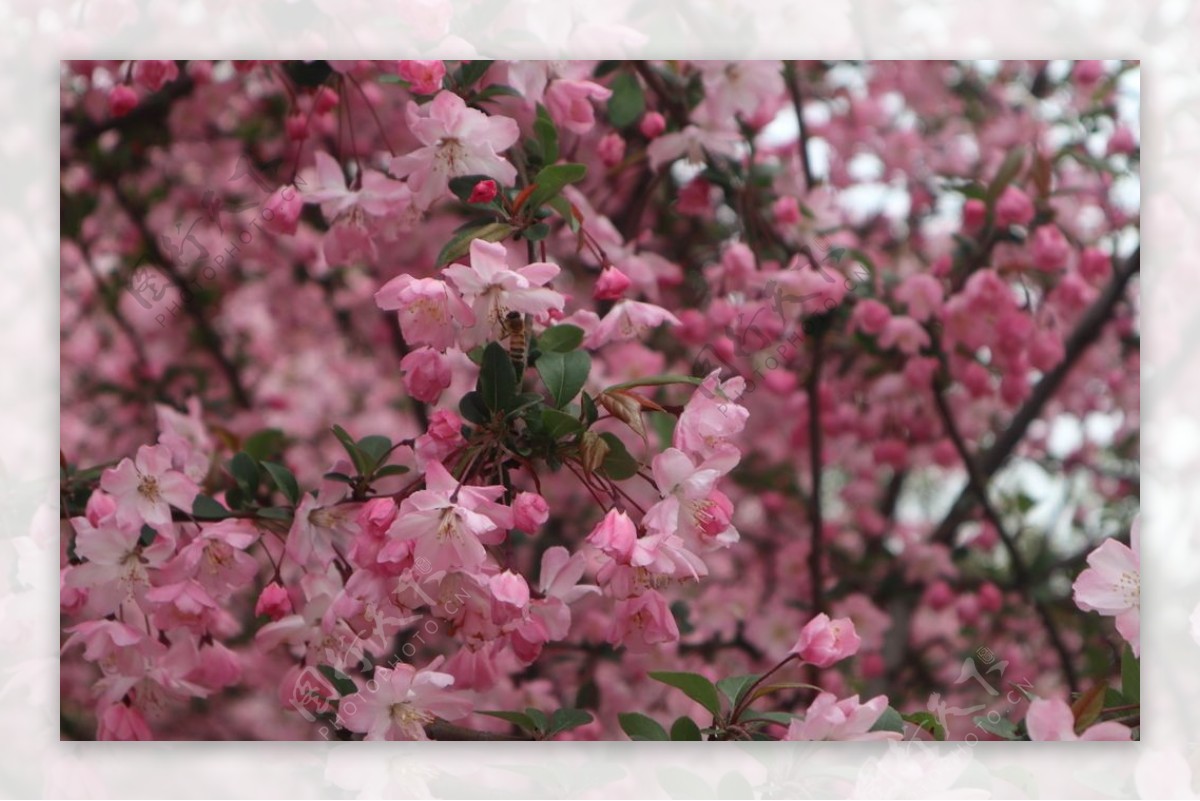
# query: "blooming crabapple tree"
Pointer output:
{"type": "Point", "coordinates": [592, 400]}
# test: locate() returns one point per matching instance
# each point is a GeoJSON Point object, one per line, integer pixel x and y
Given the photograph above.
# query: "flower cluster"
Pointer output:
{"type": "Point", "coordinates": [665, 379]}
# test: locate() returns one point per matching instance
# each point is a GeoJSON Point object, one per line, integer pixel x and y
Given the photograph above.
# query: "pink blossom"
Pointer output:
{"type": "Point", "coordinates": [153, 75]}
{"type": "Point", "coordinates": [530, 511]}
{"type": "Point", "coordinates": [692, 142]}
{"type": "Point", "coordinates": [629, 319]}
{"type": "Point", "coordinates": [424, 77]}
{"type": "Point", "coordinates": [122, 722]}
{"type": "Point", "coordinates": [378, 196]}
{"type": "Point", "coordinates": [827, 718]}
{"type": "Point", "coordinates": [456, 140]}
{"type": "Point", "coordinates": [652, 124]}
{"type": "Point", "coordinates": [611, 149]}
{"type": "Point", "coordinates": [1111, 585]}
{"type": "Point", "coordinates": [509, 588]}
{"type": "Point", "coordinates": [711, 418]}
{"type": "Point", "coordinates": [483, 192]}
{"type": "Point", "coordinates": [431, 312]}
{"type": "Point", "coordinates": [122, 100]}
{"type": "Point", "coordinates": [1050, 248]}
{"type": "Point", "coordinates": [823, 641]}
{"type": "Point", "coordinates": [570, 103]}
{"type": "Point", "coordinates": [643, 621]}
{"type": "Point", "coordinates": [615, 535]}
{"type": "Point", "coordinates": [273, 602]}
{"type": "Point", "coordinates": [904, 334]}
{"type": "Point", "coordinates": [1050, 719]}
{"type": "Point", "coordinates": [146, 487]}
{"type": "Point", "coordinates": [974, 214]}
{"type": "Point", "coordinates": [1013, 207]}
{"type": "Point", "coordinates": [611, 285]}
{"type": "Point", "coordinates": [398, 703]}
{"type": "Point", "coordinates": [922, 293]}
{"type": "Point", "coordinates": [426, 374]}
{"type": "Point", "coordinates": [281, 212]}
{"type": "Point", "coordinates": [870, 317]}
{"type": "Point", "coordinates": [494, 290]}
{"type": "Point", "coordinates": [447, 521]}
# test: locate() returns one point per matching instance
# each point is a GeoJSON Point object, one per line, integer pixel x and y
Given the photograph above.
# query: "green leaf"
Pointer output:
{"type": "Point", "coordinates": [657, 381]}
{"type": "Point", "coordinates": [566, 719]}
{"type": "Point", "coordinates": [375, 448]}
{"type": "Point", "coordinates": [547, 135]}
{"type": "Point", "coordinates": [683, 616]}
{"type": "Point", "coordinates": [618, 463]}
{"type": "Point", "coordinates": [639, 727]}
{"type": "Point", "coordinates": [927, 721]}
{"type": "Point", "coordinates": [588, 407]}
{"type": "Point", "coordinates": [283, 479]}
{"type": "Point", "coordinates": [560, 338]}
{"type": "Point", "coordinates": [147, 536]}
{"type": "Point", "coordinates": [694, 686]}
{"type": "Point", "coordinates": [460, 243]}
{"type": "Point", "coordinates": [564, 374]}
{"type": "Point", "coordinates": [1005, 175]}
{"type": "Point", "coordinates": [538, 717]}
{"type": "Point", "coordinates": [684, 728]}
{"type": "Point", "coordinates": [890, 720]}
{"type": "Point", "coordinates": [1087, 707]}
{"type": "Point", "coordinates": [341, 682]}
{"type": "Point", "coordinates": [263, 444]}
{"type": "Point", "coordinates": [206, 508]}
{"type": "Point", "coordinates": [536, 233]}
{"type": "Point", "coordinates": [550, 181]}
{"type": "Point", "coordinates": [245, 472]}
{"type": "Point", "coordinates": [559, 424]}
{"type": "Point", "coordinates": [391, 470]}
{"type": "Point", "coordinates": [274, 513]}
{"type": "Point", "coordinates": [734, 687]}
{"type": "Point", "coordinates": [1005, 729]}
{"type": "Point", "coordinates": [1131, 676]}
{"type": "Point", "coordinates": [519, 719]}
{"type": "Point", "coordinates": [497, 378]}
{"type": "Point", "coordinates": [473, 409]}
{"type": "Point", "coordinates": [782, 718]}
{"type": "Point", "coordinates": [351, 448]}
{"type": "Point", "coordinates": [627, 102]}
{"type": "Point", "coordinates": [471, 71]}
{"type": "Point", "coordinates": [563, 207]}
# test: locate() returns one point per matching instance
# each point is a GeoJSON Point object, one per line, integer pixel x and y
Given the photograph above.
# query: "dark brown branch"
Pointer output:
{"type": "Point", "coordinates": [676, 110]}
{"type": "Point", "coordinates": [1022, 579]}
{"type": "Point", "coordinates": [1085, 333]}
{"type": "Point", "coordinates": [208, 335]}
{"type": "Point", "coordinates": [791, 76]}
{"type": "Point", "coordinates": [816, 551]}
{"type": "Point", "coordinates": [442, 730]}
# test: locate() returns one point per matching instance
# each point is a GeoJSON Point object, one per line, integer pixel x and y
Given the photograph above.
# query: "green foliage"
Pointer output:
{"type": "Point", "coordinates": [639, 727]}
{"type": "Point", "coordinates": [547, 136]}
{"type": "Point", "coordinates": [619, 463]}
{"type": "Point", "coordinates": [551, 179]}
{"type": "Point", "coordinates": [1131, 676]}
{"type": "Point", "coordinates": [890, 720]}
{"type": "Point", "coordinates": [684, 728]}
{"type": "Point", "coordinates": [340, 681]}
{"type": "Point", "coordinates": [460, 243]}
{"type": "Point", "coordinates": [560, 338]}
{"type": "Point", "coordinates": [734, 687]}
{"type": "Point", "coordinates": [535, 722]}
{"type": "Point", "coordinates": [284, 480]}
{"type": "Point", "coordinates": [497, 385]}
{"type": "Point", "coordinates": [564, 374]}
{"type": "Point", "coordinates": [627, 102]}
{"type": "Point", "coordinates": [205, 508]}
{"type": "Point", "coordinates": [694, 686]}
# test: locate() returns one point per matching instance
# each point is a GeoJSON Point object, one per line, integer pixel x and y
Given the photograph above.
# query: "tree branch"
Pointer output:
{"type": "Point", "coordinates": [816, 552]}
{"type": "Point", "coordinates": [1085, 333]}
{"type": "Point", "coordinates": [978, 486]}
{"type": "Point", "coordinates": [791, 76]}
